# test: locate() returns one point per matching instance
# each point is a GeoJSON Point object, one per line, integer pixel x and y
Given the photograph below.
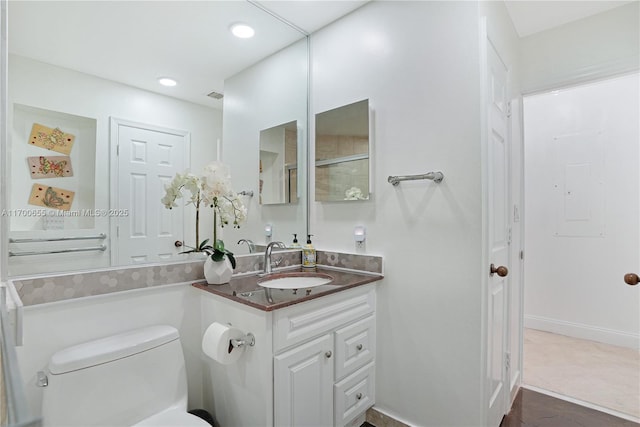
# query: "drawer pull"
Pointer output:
{"type": "Point", "coordinates": [328, 354]}
{"type": "Point", "coordinates": [359, 347]}
{"type": "Point", "coordinates": [359, 396]}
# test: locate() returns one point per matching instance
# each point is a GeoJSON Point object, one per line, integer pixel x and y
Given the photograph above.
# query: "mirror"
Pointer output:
{"type": "Point", "coordinates": [343, 153]}
{"type": "Point", "coordinates": [96, 88]}
{"type": "Point", "coordinates": [259, 98]}
{"type": "Point", "coordinates": [278, 164]}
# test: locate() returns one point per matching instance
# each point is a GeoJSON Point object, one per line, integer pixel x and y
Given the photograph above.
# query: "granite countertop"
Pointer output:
{"type": "Point", "coordinates": [245, 289]}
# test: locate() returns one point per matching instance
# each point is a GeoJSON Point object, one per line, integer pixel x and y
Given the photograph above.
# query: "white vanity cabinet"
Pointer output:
{"type": "Point", "coordinates": [324, 356]}
{"type": "Point", "coordinates": [313, 363]}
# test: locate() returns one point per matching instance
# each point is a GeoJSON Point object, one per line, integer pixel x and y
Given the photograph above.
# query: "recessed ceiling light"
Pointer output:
{"type": "Point", "coordinates": [166, 81]}
{"type": "Point", "coordinates": [242, 31]}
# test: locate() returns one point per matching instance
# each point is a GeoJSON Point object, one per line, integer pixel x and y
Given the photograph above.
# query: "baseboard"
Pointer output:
{"type": "Point", "coordinates": [587, 332]}
{"type": "Point", "coordinates": [382, 418]}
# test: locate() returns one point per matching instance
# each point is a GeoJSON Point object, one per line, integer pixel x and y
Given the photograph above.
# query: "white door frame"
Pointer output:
{"type": "Point", "coordinates": [517, 251]}
{"type": "Point", "coordinates": [114, 124]}
{"type": "Point", "coordinates": [4, 136]}
{"type": "Point", "coordinates": [577, 81]}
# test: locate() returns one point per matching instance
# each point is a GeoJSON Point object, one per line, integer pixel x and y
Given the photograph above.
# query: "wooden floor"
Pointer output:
{"type": "Point", "coordinates": [532, 409]}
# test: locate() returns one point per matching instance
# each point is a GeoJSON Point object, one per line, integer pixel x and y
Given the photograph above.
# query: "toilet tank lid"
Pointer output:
{"type": "Point", "coordinates": [111, 348]}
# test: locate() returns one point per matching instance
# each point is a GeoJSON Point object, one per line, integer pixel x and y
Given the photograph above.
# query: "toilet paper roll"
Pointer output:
{"type": "Point", "coordinates": [216, 343]}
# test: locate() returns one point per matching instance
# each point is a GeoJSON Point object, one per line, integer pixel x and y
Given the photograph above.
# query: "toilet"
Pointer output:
{"type": "Point", "coordinates": [135, 378]}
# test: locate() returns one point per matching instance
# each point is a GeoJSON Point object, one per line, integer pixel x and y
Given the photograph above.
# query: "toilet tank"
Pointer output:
{"type": "Point", "coordinates": [117, 380]}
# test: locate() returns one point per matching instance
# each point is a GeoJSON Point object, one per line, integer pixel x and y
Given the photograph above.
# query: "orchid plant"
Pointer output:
{"type": "Point", "coordinates": [212, 189]}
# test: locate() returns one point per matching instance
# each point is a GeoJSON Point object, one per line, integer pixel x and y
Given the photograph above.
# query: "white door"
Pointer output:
{"type": "Point", "coordinates": [498, 238]}
{"type": "Point", "coordinates": [147, 159]}
{"type": "Point", "coordinates": [303, 385]}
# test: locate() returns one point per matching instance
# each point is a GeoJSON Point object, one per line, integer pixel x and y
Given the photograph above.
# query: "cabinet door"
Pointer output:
{"type": "Point", "coordinates": [303, 384]}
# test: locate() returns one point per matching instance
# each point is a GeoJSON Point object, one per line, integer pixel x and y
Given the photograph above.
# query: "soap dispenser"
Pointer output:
{"type": "Point", "coordinates": [308, 254]}
{"type": "Point", "coordinates": [295, 244]}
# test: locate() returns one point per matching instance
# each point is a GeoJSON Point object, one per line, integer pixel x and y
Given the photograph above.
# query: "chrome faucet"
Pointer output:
{"type": "Point", "coordinates": [267, 256]}
{"type": "Point", "coordinates": [252, 246]}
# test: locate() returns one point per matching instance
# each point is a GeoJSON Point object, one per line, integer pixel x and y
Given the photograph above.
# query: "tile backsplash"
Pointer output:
{"type": "Point", "coordinates": [41, 290]}
{"type": "Point", "coordinates": [369, 263]}
{"type": "Point", "coordinates": [45, 289]}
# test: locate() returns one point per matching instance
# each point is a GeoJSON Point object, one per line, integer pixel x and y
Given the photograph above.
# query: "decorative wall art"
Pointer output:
{"type": "Point", "coordinates": [49, 166]}
{"type": "Point", "coordinates": [51, 139]}
{"type": "Point", "coordinates": [51, 197]}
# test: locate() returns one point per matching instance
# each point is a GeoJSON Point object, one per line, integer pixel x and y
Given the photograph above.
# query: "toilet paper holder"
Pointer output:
{"type": "Point", "coordinates": [248, 340]}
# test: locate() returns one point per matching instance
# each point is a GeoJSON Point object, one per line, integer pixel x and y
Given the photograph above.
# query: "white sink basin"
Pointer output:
{"type": "Point", "coordinates": [295, 280]}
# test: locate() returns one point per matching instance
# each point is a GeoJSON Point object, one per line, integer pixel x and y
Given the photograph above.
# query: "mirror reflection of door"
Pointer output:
{"type": "Point", "coordinates": [342, 153]}
{"type": "Point", "coordinates": [279, 164]}
{"type": "Point", "coordinates": [148, 158]}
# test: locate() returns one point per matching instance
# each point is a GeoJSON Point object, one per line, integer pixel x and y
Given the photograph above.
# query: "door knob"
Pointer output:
{"type": "Point", "coordinates": [631, 279]}
{"type": "Point", "coordinates": [502, 271]}
{"type": "Point", "coordinates": [177, 243]}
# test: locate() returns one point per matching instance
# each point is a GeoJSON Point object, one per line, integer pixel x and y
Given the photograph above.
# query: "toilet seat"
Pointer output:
{"type": "Point", "coordinates": [173, 418]}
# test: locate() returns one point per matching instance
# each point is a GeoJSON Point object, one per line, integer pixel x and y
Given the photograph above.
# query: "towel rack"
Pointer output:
{"type": "Point", "coordinates": [100, 236]}
{"type": "Point", "coordinates": [436, 177]}
{"type": "Point", "coordinates": [246, 193]}
{"type": "Point", "coordinates": [101, 248]}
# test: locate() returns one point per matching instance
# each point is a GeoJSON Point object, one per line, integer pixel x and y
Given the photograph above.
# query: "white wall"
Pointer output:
{"type": "Point", "coordinates": [57, 89]}
{"type": "Point", "coordinates": [598, 46]}
{"type": "Point", "coordinates": [271, 93]}
{"type": "Point", "coordinates": [48, 328]}
{"type": "Point", "coordinates": [573, 285]}
{"type": "Point", "coordinates": [418, 63]}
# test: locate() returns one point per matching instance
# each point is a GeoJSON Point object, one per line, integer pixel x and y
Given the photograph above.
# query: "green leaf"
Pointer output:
{"type": "Point", "coordinates": [219, 246]}
{"type": "Point", "coordinates": [232, 259]}
{"type": "Point", "coordinates": [217, 255]}
{"type": "Point", "coordinates": [203, 244]}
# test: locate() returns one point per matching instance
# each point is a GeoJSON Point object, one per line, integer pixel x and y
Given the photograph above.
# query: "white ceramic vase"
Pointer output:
{"type": "Point", "coordinates": [217, 272]}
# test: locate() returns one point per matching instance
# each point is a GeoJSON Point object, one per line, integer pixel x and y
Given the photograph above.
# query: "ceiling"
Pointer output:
{"type": "Point", "coordinates": [135, 42]}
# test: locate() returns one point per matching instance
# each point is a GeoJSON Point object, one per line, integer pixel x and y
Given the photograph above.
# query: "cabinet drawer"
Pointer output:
{"type": "Point", "coordinates": [355, 346]}
{"type": "Point", "coordinates": [300, 322]}
{"type": "Point", "coordinates": [354, 395]}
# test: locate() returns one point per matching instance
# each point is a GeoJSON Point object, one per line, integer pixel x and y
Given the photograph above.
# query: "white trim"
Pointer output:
{"type": "Point", "coordinates": [578, 76]}
{"type": "Point", "coordinates": [483, 42]}
{"type": "Point", "coordinates": [518, 258]}
{"type": "Point", "coordinates": [582, 403]}
{"type": "Point", "coordinates": [4, 136]}
{"type": "Point", "coordinates": [392, 415]}
{"type": "Point", "coordinates": [580, 330]}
